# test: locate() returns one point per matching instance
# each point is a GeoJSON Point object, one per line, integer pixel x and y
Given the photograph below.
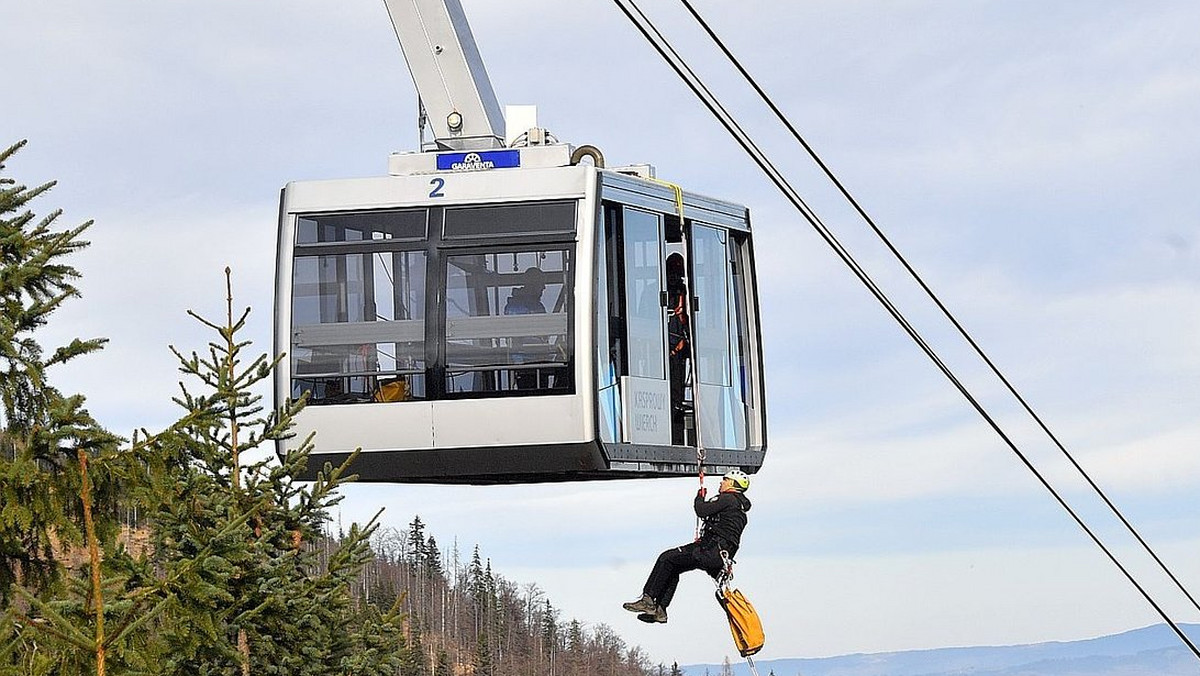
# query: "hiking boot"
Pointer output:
{"type": "Point", "coordinates": [659, 615]}
{"type": "Point", "coordinates": [642, 605]}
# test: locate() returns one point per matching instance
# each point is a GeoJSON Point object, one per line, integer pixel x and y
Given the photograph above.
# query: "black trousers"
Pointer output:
{"type": "Point", "coordinates": [664, 577]}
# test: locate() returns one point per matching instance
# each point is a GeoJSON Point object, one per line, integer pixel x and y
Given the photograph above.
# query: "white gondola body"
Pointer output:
{"type": "Point", "coordinates": [395, 310]}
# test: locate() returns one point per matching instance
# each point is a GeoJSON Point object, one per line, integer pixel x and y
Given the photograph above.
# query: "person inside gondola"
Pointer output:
{"type": "Point", "coordinates": [526, 300]}
{"type": "Point", "coordinates": [679, 343]}
{"type": "Point", "coordinates": [724, 519]}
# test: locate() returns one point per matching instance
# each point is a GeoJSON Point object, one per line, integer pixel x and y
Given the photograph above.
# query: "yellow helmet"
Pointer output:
{"type": "Point", "coordinates": [739, 479]}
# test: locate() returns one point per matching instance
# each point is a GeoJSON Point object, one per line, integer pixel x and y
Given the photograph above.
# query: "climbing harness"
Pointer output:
{"type": "Point", "coordinates": [726, 575]}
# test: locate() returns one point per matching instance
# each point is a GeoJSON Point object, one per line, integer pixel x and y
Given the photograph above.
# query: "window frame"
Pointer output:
{"type": "Point", "coordinates": [438, 251]}
{"type": "Point", "coordinates": [570, 255]}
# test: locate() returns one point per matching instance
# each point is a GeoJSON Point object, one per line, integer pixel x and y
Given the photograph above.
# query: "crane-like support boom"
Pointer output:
{"type": "Point", "coordinates": [457, 99]}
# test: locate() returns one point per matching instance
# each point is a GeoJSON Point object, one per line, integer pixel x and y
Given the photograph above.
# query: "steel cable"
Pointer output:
{"type": "Point", "coordinates": [672, 57]}
{"type": "Point", "coordinates": [937, 301]}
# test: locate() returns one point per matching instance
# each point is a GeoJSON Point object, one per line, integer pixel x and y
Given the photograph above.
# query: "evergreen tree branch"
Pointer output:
{"type": "Point", "coordinates": [143, 618]}
{"type": "Point", "coordinates": [58, 626]}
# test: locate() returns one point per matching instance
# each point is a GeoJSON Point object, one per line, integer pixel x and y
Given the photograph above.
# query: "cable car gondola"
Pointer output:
{"type": "Point", "coordinates": [496, 314]}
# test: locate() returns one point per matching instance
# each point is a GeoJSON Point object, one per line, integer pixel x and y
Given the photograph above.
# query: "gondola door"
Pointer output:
{"type": "Point", "coordinates": [720, 336]}
{"type": "Point", "coordinates": [644, 373]}
{"type": "Point", "coordinates": [678, 367]}
{"type": "Point", "coordinates": [645, 392]}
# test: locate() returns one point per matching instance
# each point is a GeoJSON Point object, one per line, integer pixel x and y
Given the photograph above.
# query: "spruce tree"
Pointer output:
{"type": "Point", "coordinates": [432, 559]}
{"type": "Point", "coordinates": [549, 633]}
{"type": "Point", "coordinates": [416, 541]}
{"type": "Point", "coordinates": [234, 582]}
{"type": "Point", "coordinates": [40, 481]}
{"type": "Point", "coordinates": [575, 642]}
{"type": "Point", "coordinates": [236, 530]}
{"type": "Point", "coordinates": [61, 474]}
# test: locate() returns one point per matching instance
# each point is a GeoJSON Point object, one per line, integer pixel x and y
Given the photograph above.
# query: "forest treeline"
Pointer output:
{"type": "Point", "coordinates": [462, 617]}
{"type": "Point", "coordinates": [230, 570]}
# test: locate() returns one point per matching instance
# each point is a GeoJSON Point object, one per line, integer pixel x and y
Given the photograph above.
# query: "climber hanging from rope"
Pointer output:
{"type": "Point", "coordinates": [723, 519]}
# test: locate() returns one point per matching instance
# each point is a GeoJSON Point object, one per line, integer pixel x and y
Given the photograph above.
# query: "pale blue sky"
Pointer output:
{"type": "Point", "coordinates": [1037, 162]}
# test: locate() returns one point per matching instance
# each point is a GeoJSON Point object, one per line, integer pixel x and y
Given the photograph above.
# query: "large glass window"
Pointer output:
{"type": "Point", "coordinates": [358, 306]}
{"type": "Point", "coordinates": [719, 328]}
{"type": "Point", "coordinates": [501, 325]}
{"type": "Point", "coordinates": [608, 320]}
{"type": "Point", "coordinates": [508, 321]}
{"type": "Point", "coordinates": [358, 326]}
{"type": "Point", "coordinates": [710, 264]}
{"type": "Point", "coordinates": [739, 318]}
{"type": "Point", "coordinates": [643, 293]}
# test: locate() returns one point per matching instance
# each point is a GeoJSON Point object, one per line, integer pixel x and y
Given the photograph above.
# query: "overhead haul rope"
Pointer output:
{"type": "Point", "coordinates": [936, 300]}
{"type": "Point", "coordinates": [646, 27]}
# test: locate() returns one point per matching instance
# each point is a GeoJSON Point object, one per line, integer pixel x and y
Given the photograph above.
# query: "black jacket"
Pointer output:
{"type": "Point", "coordinates": [724, 519]}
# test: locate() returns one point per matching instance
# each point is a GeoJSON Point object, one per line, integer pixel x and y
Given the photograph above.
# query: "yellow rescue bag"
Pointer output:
{"type": "Point", "coordinates": [744, 624]}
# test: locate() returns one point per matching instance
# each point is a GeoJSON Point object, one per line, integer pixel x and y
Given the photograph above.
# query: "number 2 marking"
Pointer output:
{"type": "Point", "coordinates": [438, 184]}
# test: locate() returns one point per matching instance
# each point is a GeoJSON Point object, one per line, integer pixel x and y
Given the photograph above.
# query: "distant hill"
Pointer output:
{"type": "Point", "coordinates": [1150, 651]}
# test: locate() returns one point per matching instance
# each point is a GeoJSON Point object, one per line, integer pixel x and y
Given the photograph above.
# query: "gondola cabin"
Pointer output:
{"type": "Point", "coordinates": [512, 315]}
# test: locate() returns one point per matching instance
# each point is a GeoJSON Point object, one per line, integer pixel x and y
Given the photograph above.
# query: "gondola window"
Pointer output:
{"type": "Point", "coordinates": [507, 322]}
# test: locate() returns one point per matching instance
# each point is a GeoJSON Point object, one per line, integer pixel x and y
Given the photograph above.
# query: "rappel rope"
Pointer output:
{"type": "Point", "coordinates": [750, 662]}
{"type": "Point", "coordinates": [725, 576]}
{"type": "Point", "coordinates": [686, 308]}
{"type": "Point", "coordinates": [693, 374]}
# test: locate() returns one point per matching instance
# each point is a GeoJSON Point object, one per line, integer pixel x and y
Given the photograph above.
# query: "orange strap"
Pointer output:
{"type": "Point", "coordinates": [700, 471]}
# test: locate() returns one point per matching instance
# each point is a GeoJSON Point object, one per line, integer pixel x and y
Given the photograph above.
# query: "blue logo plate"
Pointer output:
{"type": "Point", "coordinates": [480, 160]}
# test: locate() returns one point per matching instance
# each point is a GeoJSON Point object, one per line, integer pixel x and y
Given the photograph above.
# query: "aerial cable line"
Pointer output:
{"type": "Point", "coordinates": [663, 47]}
{"type": "Point", "coordinates": [936, 300]}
